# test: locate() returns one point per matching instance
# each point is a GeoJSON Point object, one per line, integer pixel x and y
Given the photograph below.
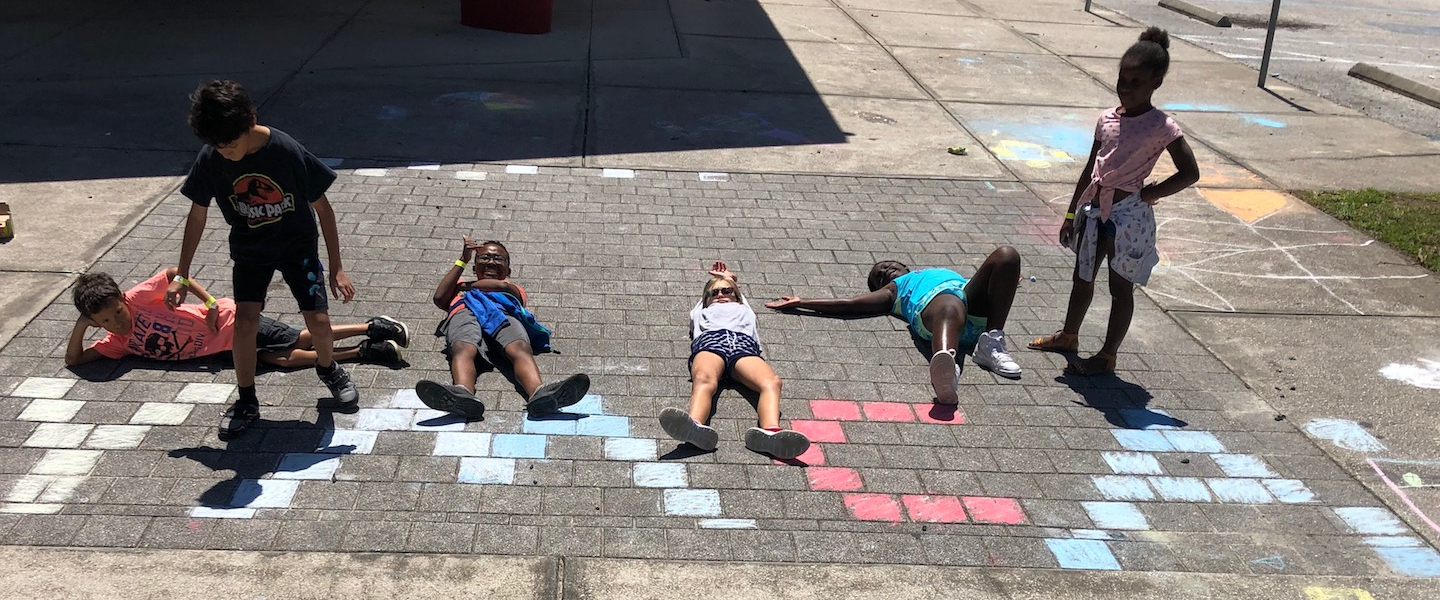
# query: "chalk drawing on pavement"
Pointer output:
{"type": "Point", "coordinates": [1344, 434]}
{"type": "Point", "coordinates": [1425, 375]}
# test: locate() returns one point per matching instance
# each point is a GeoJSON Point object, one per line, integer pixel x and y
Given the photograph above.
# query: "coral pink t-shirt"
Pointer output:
{"type": "Point", "coordinates": [1129, 149]}
{"type": "Point", "coordinates": [163, 334]}
{"type": "Point", "coordinates": [458, 302]}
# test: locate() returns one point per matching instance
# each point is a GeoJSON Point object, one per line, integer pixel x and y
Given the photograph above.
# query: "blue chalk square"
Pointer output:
{"type": "Point", "coordinates": [1243, 465]}
{"type": "Point", "coordinates": [461, 443]}
{"type": "Point", "coordinates": [1149, 418]}
{"type": "Point", "coordinates": [487, 470]}
{"type": "Point", "coordinates": [1116, 515]}
{"type": "Point", "coordinates": [1388, 541]}
{"type": "Point", "coordinates": [1118, 487]}
{"type": "Point", "coordinates": [660, 475]}
{"type": "Point", "coordinates": [563, 426]}
{"type": "Point", "coordinates": [604, 426]}
{"type": "Point", "coordinates": [1371, 520]}
{"type": "Point", "coordinates": [1412, 562]}
{"type": "Point", "coordinates": [434, 420]}
{"type": "Point", "coordinates": [1200, 442]}
{"type": "Point", "coordinates": [1132, 463]}
{"type": "Point", "coordinates": [630, 449]}
{"type": "Point", "coordinates": [1240, 491]}
{"type": "Point", "coordinates": [1083, 554]}
{"type": "Point", "coordinates": [692, 503]}
{"type": "Point", "coordinates": [1289, 491]}
{"type": "Point", "coordinates": [518, 445]}
{"type": "Point", "coordinates": [1181, 489]}
{"type": "Point", "coordinates": [1142, 441]}
{"type": "Point", "coordinates": [589, 405]}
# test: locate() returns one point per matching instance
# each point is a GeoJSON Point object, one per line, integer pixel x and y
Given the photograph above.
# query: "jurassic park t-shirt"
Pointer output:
{"type": "Point", "coordinates": [163, 334]}
{"type": "Point", "coordinates": [265, 197]}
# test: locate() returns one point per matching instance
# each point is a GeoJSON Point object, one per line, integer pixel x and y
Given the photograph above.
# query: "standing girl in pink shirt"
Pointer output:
{"type": "Point", "coordinates": [1112, 216]}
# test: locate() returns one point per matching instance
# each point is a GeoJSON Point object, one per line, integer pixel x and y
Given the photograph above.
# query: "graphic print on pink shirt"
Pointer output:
{"type": "Point", "coordinates": [163, 334]}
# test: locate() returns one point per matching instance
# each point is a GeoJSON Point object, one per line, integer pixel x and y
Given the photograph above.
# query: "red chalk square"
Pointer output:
{"type": "Point", "coordinates": [934, 509]}
{"type": "Point", "coordinates": [820, 431]}
{"type": "Point", "coordinates": [873, 507]}
{"type": "Point", "coordinates": [835, 410]}
{"type": "Point", "coordinates": [834, 479]}
{"type": "Point", "coordinates": [1005, 511]}
{"type": "Point", "coordinates": [888, 411]}
{"type": "Point", "coordinates": [940, 413]}
{"type": "Point", "coordinates": [812, 457]}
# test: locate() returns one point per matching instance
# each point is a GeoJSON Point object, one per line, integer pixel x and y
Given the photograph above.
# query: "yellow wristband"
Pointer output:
{"type": "Point", "coordinates": [210, 303]}
{"type": "Point", "coordinates": [1069, 216]}
{"type": "Point", "coordinates": [459, 263]}
{"type": "Point", "coordinates": [181, 280]}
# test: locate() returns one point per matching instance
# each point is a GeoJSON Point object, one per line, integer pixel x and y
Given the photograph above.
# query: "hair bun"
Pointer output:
{"type": "Point", "coordinates": [1157, 35]}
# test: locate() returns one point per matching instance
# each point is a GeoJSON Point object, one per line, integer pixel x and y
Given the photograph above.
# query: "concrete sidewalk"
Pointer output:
{"type": "Point", "coordinates": [1251, 434]}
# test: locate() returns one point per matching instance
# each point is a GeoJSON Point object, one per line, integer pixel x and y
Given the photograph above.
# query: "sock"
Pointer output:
{"type": "Point", "coordinates": [325, 371]}
{"type": "Point", "coordinates": [772, 429]}
{"type": "Point", "coordinates": [247, 396]}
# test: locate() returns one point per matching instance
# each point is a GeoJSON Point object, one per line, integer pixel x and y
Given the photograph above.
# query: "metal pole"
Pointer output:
{"type": "Point", "coordinates": [1087, 6]}
{"type": "Point", "coordinates": [1269, 42]}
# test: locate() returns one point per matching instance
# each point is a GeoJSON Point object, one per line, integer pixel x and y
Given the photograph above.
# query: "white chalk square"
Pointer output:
{"type": "Point", "coordinates": [692, 503]}
{"type": "Point", "coordinates": [31, 509]}
{"type": "Point", "coordinates": [299, 465]}
{"type": "Point", "coordinates": [630, 449]}
{"type": "Point", "coordinates": [660, 475]}
{"type": "Point", "coordinates": [470, 175]}
{"type": "Point", "coordinates": [341, 440]}
{"type": "Point", "coordinates": [522, 169]}
{"type": "Point", "coordinates": [28, 488]}
{"type": "Point", "coordinates": [727, 523]}
{"type": "Point", "coordinates": [58, 435]}
{"type": "Point", "coordinates": [461, 443]}
{"type": "Point", "coordinates": [406, 399]}
{"type": "Point", "coordinates": [205, 393]}
{"type": "Point", "coordinates": [43, 387]}
{"type": "Point", "coordinates": [424, 166]}
{"type": "Point", "coordinates": [271, 493]}
{"type": "Point", "coordinates": [211, 512]}
{"type": "Point", "coordinates": [61, 489]}
{"type": "Point", "coordinates": [371, 172]}
{"type": "Point", "coordinates": [161, 413]}
{"type": "Point", "coordinates": [714, 177]}
{"type": "Point", "coordinates": [117, 437]}
{"type": "Point", "coordinates": [384, 419]}
{"type": "Point", "coordinates": [66, 462]}
{"type": "Point", "coordinates": [618, 173]}
{"type": "Point", "coordinates": [487, 470]}
{"type": "Point", "coordinates": [434, 420]}
{"type": "Point", "coordinates": [54, 411]}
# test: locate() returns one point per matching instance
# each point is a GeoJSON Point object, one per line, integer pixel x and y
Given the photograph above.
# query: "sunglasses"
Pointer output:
{"type": "Point", "coordinates": [492, 258]}
{"type": "Point", "coordinates": [722, 290]}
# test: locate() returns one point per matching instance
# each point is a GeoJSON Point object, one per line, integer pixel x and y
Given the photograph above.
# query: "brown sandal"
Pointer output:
{"type": "Point", "coordinates": [1100, 364]}
{"type": "Point", "coordinates": [1056, 342]}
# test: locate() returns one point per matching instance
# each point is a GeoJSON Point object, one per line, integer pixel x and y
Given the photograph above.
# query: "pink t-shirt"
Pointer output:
{"type": "Point", "coordinates": [1129, 149]}
{"type": "Point", "coordinates": [458, 302]}
{"type": "Point", "coordinates": [163, 334]}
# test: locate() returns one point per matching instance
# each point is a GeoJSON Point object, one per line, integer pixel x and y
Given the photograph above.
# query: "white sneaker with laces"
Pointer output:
{"type": "Point", "coordinates": [990, 354]}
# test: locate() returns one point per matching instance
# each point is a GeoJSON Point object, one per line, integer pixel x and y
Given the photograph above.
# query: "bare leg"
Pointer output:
{"type": "Point", "coordinates": [753, 372]}
{"type": "Point", "coordinates": [247, 325]}
{"type": "Point", "coordinates": [296, 358]}
{"type": "Point", "coordinates": [322, 338]}
{"type": "Point", "coordinates": [705, 373]}
{"type": "Point", "coordinates": [340, 332]}
{"type": "Point", "coordinates": [462, 364]}
{"type": "Point", "coordinates": [1122, 309]}
{"type": "Point", "coordinates": [945, 318]}
{"type": "Point", "coordinates": [522, 359]}
{"type": "Point", "coordinates": [1082, 292]}
{"type": "Point", "coordinates": [991, 292]}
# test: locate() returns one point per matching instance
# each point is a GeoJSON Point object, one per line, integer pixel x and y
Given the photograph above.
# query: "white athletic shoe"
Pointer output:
{"type": "Point", "coordinates": [945, 377]}
{"type": "Point", "coordinates": [990, 354]}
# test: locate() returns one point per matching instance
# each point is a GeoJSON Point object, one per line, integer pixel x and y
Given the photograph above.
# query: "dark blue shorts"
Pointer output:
{"type": "Point", "coordinates": [729, 345]}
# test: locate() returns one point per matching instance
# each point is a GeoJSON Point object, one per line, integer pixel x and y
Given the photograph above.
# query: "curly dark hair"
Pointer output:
{"type": "Point", "coordinates": [220, 112]}
{"type": "Point", "coordinates": [93, 291]}
{"type": "Point", "coordinates": [1152, 50]}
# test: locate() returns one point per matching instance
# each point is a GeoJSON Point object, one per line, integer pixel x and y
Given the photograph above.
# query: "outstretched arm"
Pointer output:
{"type": "Point", "coordinates": [870, 304]}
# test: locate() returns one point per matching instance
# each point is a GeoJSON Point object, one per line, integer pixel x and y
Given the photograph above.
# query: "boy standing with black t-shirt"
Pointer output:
{"type": "Point", "coordinates": [272, 193]}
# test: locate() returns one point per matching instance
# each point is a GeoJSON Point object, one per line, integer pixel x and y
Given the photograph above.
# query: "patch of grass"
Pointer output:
{"type": "Point", "coordinates": [1408, 222]}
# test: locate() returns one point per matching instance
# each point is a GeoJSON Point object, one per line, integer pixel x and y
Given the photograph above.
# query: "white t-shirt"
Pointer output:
{"type": "Point", "coordinates": [735, 316]}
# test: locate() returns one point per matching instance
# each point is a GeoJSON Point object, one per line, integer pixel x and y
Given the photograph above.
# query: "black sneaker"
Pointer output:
{"type": "Point", "coordinates": [381, 351]}
{"type": "Point", "coordinates": [451, 399]}
{"type": "Point", "coordinates": [386, 328]}
{"type": "Point", "coordinates": [552, 397]}
{"type": "Point", "coordinates": [341, 388]}
{"type": "Point", "coordinates": [236, 420]}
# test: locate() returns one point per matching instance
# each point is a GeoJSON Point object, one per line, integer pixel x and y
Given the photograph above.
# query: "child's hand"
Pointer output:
{"type": "Point", "coordinates": [1148, 195]}
{"type": "Point", "coordinates": [719, 270]}
{"type": "Point", "coordinates": [1067, 231]}
{"type": "Point", "coordinates": [340, 286]}
{"type": "Point", "coordinates": [174, 294]}
{"type": "Point", "coordinates": [212, 320]}
{"type": "Point", "coordinates": [783, 303]}
{"type": "Point", "coordinates": [468, 253]}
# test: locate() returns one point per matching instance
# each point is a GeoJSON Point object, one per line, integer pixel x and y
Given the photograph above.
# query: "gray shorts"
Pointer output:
{"type": "Point", "coordinates": [464, 327]}
{"type": "Point", "coordinates": [274, 336]}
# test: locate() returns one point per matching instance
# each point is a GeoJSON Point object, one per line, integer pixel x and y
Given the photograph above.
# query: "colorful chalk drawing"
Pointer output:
{"type": "Point", "coordinates": [1328, 593]}
{"type": "Point", "coordinates": [1344, 434]}
{"type": "Point", "coordinates": [744, 123]}
{"type": "Point", "coordinates": [1384, 467]}
{"type": "Point", "coordinates": [490, 100]}
{"type": "Point", "coordinates": [1424, 375]}
{"type": "Point", "coordinates": [1039, 146]}
{"type": "Point", "coordinates": [1249, 118]}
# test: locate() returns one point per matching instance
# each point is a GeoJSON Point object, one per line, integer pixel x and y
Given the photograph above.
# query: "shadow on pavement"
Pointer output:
{"type": "Point", "coordinates": [270, 447]}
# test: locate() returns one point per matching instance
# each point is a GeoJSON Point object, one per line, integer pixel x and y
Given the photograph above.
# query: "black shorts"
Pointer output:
{"type": "Point", "coordinates": [274, 336]}
{"type": "Point", "coordinates": [305, 276]}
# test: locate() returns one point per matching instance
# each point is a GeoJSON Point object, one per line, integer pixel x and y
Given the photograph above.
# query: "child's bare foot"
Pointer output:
{"type": "Point", "coordinates": [678, 424]}
{"type": "Point", "coordinates": [1056, 342]}
{"type": "Point", "coordinates": [944, 377]}
{"type": "Point", "coordinates": [1103, 362]}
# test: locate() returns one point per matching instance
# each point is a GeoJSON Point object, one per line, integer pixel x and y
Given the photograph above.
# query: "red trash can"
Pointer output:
{"type": "Point", "coordinates": [514, 16]}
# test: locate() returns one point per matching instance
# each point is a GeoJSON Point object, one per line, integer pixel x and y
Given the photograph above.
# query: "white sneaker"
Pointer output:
{"type": "Point", "coordinates": [945, 377]}
{"type": "Point", "coordinates": [990, 354]}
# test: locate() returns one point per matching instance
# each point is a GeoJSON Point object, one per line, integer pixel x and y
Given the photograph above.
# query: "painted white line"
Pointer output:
{"type": "Point", "coordinates": [371, 172]}
{"type": "Point", "coordinates": [522, 169]}
{"type": "Point", "coordinates": [424, 166]}
{"type": "Point", "coordinates": [618, 173]}
{"type": "Point", "coordinates": [470, 175]}
{"type": "Point", "coordinates": [714, 177]}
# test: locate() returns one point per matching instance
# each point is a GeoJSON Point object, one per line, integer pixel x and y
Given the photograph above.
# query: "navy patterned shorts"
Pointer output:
{"type": "Point", "coordinates": [730, 345]}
